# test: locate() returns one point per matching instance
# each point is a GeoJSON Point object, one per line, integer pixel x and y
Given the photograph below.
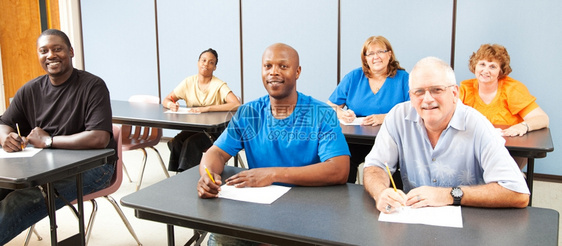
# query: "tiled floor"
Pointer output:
{"type": "Point", "coordinates": [109, 229]}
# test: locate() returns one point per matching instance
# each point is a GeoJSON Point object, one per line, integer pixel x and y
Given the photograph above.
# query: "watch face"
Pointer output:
{"type": "Point", "coordinates": [456, 192]}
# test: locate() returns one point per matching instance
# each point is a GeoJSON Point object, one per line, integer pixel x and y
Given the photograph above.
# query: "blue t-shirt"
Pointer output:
{"type": "Point", "coordinates": [354, 91]}
{"type": "Point", "coordinates": [311, 134]}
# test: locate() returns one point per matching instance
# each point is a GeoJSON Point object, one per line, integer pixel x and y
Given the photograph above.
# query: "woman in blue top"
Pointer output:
{"type": "Point", "coordinates": [370, 91]}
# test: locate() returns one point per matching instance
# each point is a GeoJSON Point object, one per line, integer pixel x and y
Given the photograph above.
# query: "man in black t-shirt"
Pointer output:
{"type": "Point", "coordinates": [67, 109]}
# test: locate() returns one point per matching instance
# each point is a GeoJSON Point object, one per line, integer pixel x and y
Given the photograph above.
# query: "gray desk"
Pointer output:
{"type": "Point", "coordinates": [334, 215]}
{"type": "Point", "coordinates": [152, 115]}
{"type": "Point", "coordinates": [50, 165]}
{"type": "Point", "coordinates": [535, 144]}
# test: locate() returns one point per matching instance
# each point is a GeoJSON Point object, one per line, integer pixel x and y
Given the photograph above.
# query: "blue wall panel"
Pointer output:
{"type": "Point", "coordinates": [120, 45]}
{"type": "Point", "coordinates": [415, 29]}
{"type": "Point", "coordinates": [186, 28]}
{"type": "Point", "coordinates": [308, 26]}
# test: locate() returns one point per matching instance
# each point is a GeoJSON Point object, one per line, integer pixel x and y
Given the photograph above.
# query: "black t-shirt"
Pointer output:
{"type": "Point", "coordinates": [81, 103]}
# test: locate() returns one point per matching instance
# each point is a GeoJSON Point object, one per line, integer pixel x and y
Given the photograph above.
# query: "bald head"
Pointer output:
{"type": "Point", "coordinates": [280, 71]}
{"type": "Point", "coordinates": [283, 48]}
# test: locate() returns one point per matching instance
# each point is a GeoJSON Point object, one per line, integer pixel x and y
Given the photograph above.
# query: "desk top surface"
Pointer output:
{"type": "Point", "coordinates": [153, 115]}
{"type": "Point", "coordinates": [48, 165]}
{"type": "Point", "coordinates": [539, 140]}
{"type": "Point", "coordinates": [333, 215]}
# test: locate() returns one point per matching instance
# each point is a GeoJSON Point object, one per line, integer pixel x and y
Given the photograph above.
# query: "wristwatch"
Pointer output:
{"type": "Point", "coordinates": [526, 125]}
{"type": "Point", "coordinates": [457, 194]}
{"type": "Point", "coordinates": [49, 142]}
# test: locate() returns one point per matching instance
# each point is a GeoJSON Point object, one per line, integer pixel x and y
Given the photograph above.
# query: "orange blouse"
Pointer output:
{"type": "Point", "coordinates": [512, 102]}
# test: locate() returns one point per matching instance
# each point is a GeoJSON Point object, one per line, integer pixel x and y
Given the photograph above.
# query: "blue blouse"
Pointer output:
{"type": "Point", "coordinates": [354, 91]}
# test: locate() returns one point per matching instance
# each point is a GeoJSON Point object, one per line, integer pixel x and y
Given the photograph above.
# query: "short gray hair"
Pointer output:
{"type": "Point", "coordinates": [435, 63]}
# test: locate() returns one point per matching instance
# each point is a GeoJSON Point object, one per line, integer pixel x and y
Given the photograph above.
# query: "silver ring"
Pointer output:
{"type": "Point", "coordinates": [388, 208]}
{"type": "Point", "coordinates": [418, 197]}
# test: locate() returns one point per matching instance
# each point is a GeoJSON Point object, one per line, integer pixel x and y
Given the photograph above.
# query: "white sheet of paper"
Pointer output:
{"type": "Point", "coordinates": [449, 216]}
{"type": "Point", "coordinates": [357, 121]}
{"type": "Point", "coordinates": [182, 111]}
{"type": "Point", "coordinates": [27, 152]}
{"type": "Point", "coordinates": [263, 195]}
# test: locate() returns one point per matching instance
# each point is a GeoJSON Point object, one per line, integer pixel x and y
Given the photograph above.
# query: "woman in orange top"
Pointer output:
{"type": "Point", "coordinates": [503, 100]}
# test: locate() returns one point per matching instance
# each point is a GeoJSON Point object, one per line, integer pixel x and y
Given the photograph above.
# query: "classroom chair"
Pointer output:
{"type": "Point", "coordinates": [113, 186]}
{"type": "Point", "coordinates": [141, 137]}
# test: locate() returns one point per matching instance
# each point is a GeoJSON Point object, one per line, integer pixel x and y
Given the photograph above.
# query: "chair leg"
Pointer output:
{"type": "Point", "coordinates": [39, 238]}
{"type": "Point", "coordinates": [123, 218]}
{"type": "Point", "coordinates": [126, 172]}
{"type": "Point", "coordinates": [241, 161]}
{"type": "Point", "coordinates": [91, 220]}
{"type": "Point", "coordinates": [161, 162]}
{"type": "Point", "coordinates": [142, 169]}
{"type": "Point", "coordinates": [28, 236]}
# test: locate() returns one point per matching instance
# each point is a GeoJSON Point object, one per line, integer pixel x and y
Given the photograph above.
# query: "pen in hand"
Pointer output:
{"type": "Point", "coordinates": [390, 175]}
{"type": "Point", "coordinates": [209, 173]}
{"type": "Point", "coordinates": [19, 134]}
{"type": "Point", "coordinates": [174, 103]}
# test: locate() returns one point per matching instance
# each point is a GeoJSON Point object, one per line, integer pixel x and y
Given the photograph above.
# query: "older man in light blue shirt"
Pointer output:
{"type": "Point", "coordinates": [449, 153]}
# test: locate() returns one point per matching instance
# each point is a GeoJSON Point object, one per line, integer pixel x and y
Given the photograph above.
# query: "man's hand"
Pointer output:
{"type": "Point", "coordinates": [38, 137]}
{"type": "Point", "coordinates": [257, 177]}
{"type": "Point", "coordinates": [389, 200]}
{"type": "Point", "coordinates": [427, 196]}
{"type": "Point", "coordinates": [13, 142]}
{"type": "Point", "coordinates": [206, 188]}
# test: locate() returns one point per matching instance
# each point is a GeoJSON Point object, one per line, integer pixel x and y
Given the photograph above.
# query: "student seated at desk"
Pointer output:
{"type": "Point", "coordinates": [448, 152]}
{"type": "Point", "coordinates": [288, 137]}
{"type": "Point", "coordinates": [202, 92]}
{"type": "Point", "coordinates": [370, 91]}
{"type": "Point", "coordinates": [67, 109]}
{"type": "Point", "coordinates": [503, 100]}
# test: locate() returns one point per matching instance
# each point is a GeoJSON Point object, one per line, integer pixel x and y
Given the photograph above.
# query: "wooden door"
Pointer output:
{"type": "Point", "coordinates": [20, 25]}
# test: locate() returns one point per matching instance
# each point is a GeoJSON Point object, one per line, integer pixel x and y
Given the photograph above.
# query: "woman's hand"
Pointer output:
{"type": "Point", "coordinates": [373, 120]}
{"type": "Point", "coordinates": [515, 130]}
{"type": "Point", "coordinates": [199, 109]}
{"type": "Point", "coordinates": [347, 116]}
{"type": "Point", "coordinates": [173, 106]}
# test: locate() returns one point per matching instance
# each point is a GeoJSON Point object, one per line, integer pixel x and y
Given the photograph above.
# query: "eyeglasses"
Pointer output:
{"type": "Point", "coordinates": [435, 91]}
{"type": "Point", "coordinates": [377, 53]}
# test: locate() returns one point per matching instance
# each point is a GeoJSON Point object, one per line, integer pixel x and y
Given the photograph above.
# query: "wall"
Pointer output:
{"type": "Point", "coordinates": [121, 46]}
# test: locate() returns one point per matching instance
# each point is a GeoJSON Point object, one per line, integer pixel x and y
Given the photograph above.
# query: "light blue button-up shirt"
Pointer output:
{"type": "Point", "coordinates": [470, 151]}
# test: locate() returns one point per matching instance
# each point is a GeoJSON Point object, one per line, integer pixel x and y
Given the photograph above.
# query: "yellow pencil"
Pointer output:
{"type": "Point", "coordinates": [19, 134]}
{"type": "Point", "coordinates": [209, 173]}
{"type": "Point", "coordinates": [390, 175]}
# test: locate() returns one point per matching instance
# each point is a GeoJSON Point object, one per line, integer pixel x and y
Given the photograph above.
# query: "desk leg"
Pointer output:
{"type": "Point", "coordinates": [171, 240]}
{"type": "Point", "coordinates": [530, 172]}
{"type": "Point", "coordinates": [52, 212]}
{"type": "Point", "coordinates": [80, 201]}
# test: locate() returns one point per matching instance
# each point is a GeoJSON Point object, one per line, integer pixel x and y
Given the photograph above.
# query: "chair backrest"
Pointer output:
{"type": "Point", "coordinates": [117, 175]}
{"type": "Point", "coordinates": [135, 137]}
